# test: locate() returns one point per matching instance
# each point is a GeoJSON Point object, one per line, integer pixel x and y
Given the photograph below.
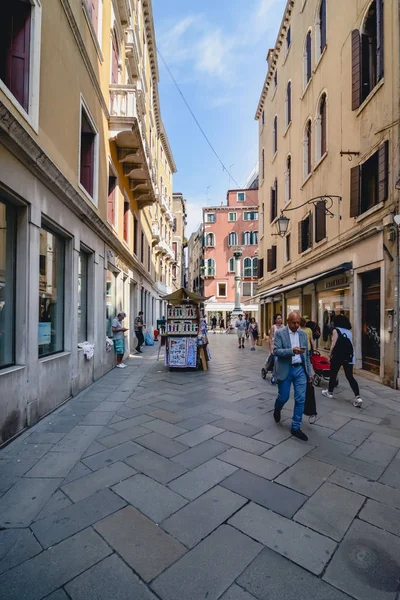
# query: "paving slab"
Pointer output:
{"type": "Point", "coordinates": [288, 452]}
{"type": "Point", "coordinates": [57, 595]}
{"type": "Point", "coordinates": [200, 454]}
{"type": "Point", "coordinates": [99, 480]}
{"type": "Point", "coordinates": [382, 516]}
{"type": "Point", "coordinates": [375, 452]}
{"type": "Point", "coordinates": [195, 422]}
{"type": "Point", "coordinates": [237, 427]}
{"type": "Point", "coordinates": [237, 593]}
{"type": "Point", "coordinates": [45, 573]}
{"type": "Point", "coordinates": [151, 498]}
{"type": "Point", "coordinates": [143, 545]}
{"type": "Point", "coordinates": [68, 521]}
{"type": "Point", "coordinates": [384, 438]}
{"type": "Point", "coordinates": [330, 511]}
{"type": "Point", "coordinates": [120, 437]}
{"type": "Point", "coordinates": [366, 565]}
{"type": "Point", "coordinates": [372, 489]}
{"type": "Point", "coordinates": [274, 434]}
{"type": "Point", "coordinates": [111, 579]}
{"type": "Point", "coordinates": [155, 466]}
{"type": "Point", "coordinates": [391, 476]}
{"type": "Point", "coordinates": [94, 448]}
{"type": "Point", "coordinates": [354, 432]}
{"type": "Point", "coordinates": [347, 463]}
{"type": "Point", "coordinates": [79, 470]}
{"type": "Point", "coordinates": [129, 423]}
{"type": "Point", "coordinates": [197, 436]}
{"type": "Point", "coordinates": [162, 445]}
{"type": "Point", "coordinates": [107, 457]}
{"type": "Point", "coordinates": [57, 502]}
{"type": "Point", "coordinates": [78, 439]}
{"type": "Point", "coordinates": [202, 478]}
{"type": "Point", "coordinates": [243, 443]}
{"type": "Point", "coordinates": [333, 421]}
{"type": "Point", "coordinates": [164, 428]}
{"type": "Point", "coordinates": [298, 543]}
{"type": "Point", "coordinates": [250, 462]}
{"type": "Point", "coordinates": [270, 495]}
{"type": "Point", "coordinates": [210, 568]}
{"type": "Point", "coordinates": [6, 483]}
{"type": "Point", "coordinates": [166, 415]}
{"type": "Point", "coordinates": [54, 464]}
{"type": "Point", "coordinates": [198, 519]}
{"type": "Point", "coordinates": [44, 438]}
{"type": "Point", "coordinates": [17, 546]}
{"type": "Point", "coordinates": [306, 476]}
{"type": "Point", "coordinates": [20, 505]}
{"type": "Point", "coordinates": [273, 577]}
{"type": "Point", "coordinates": [96, 417]}
{"type": "Point", "coordinates": [109, 406]}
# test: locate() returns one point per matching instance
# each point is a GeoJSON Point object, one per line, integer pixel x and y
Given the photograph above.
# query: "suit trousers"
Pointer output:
{"type": "Point", "coordinates": [298, 377]}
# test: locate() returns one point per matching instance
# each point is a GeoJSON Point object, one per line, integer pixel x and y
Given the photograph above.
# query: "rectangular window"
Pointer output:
{"type": "Point", "coordinates": [175, 249]}
{"type": "Point", "coordinates": [241, 196]}
{"type": "Point", "coordinates": [305, 234]}
{"type": "Point", "coordinates": [93, 10]}
{"type": "Point", "coordinates": [142, 248]}
{"type": "Point", "coordinates": [288, 38]}
{"type": "Point", "coordinates": [246, 289]}
{"type": "Point", "coordinates": [271, 259]}
{"type": "Point", "coordinates": [135, 236]}
{"type": "Point", "coordinates": [210, 217]}
{"type": "Point", "coordinates": [250, 216]}
{"type": "Point", "coordinates": [287, 248]}
{"type": "Point", "coordinates": [8, 245]}
{"type": "Point", "coordinates": [112, 185]}
{"type": "Point", "coordinates": [320, 221]}
{"type": "Point", "coordinates": [126, 221]}
{"type": "Point", "coordinates": [15, 43]}
{"type": "Point", "coordinates": [87, 154]}
{"type": "Point", "coordinates": [149, 258]}
{"type": "Point", "coordinates": [51, 293]}
{"type": "Point", "coordinates": [274, 202]}
{"type": "Point", "coordinates": [260, 268]}
{"type": "Point", "coordinates": [232, 217]}
{"type": "Point", "coordinates": [110, 300]}
{"type": "Point", "coordinates": [83, 266]}
{"type": "Point", "coordinates": [222, 290]}
{"type": "Point", "coordinates": [370, 182]}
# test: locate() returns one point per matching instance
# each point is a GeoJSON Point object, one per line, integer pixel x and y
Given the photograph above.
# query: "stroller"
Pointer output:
{"type": "Point", "coordinates": [269, 368]}
{"type": "Point", "coordinates": [322, 368]}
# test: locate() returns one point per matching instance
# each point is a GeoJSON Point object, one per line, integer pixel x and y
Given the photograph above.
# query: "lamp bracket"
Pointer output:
{"type": "Point", "coordinates": [327, 199]}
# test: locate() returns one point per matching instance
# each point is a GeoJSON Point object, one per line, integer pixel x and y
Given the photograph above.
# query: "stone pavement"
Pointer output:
{"type": "Point", "coordinates": [180, 486]}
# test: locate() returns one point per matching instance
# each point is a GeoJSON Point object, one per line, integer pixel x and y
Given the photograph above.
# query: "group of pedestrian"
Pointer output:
{"type": "Point", "coordinates": [221, 324]}
{"type": "Point", "coordinates": [292, 347]}
{"type": "Point", "coordinates": [119, 338]}
{"type": "Point", "coordinates": [247, 329]}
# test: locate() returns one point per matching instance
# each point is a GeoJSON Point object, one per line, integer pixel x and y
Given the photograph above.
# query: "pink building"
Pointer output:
{"type": "Point", "coordinates": [232, 224]}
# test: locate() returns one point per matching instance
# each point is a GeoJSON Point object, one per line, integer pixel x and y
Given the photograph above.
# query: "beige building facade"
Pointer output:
{"type": "Point", "coordinates": [86, 213]}
{"type": "Point", "coordinates": [179, 243]}
{"type": "Point", "coordinates": [329, 159]}
{"type": "Point", "coordinates": [195, 262]}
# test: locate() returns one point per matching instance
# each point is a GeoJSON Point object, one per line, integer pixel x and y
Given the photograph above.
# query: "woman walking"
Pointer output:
{"type": "Point", "coordinates": [253, 333]}
{"type": "Point", "coordinates": [277, 324]}
{"type": "Point", "coordinates": [309, 334]}
{"type": "Point", "coordinates": [342, 355]}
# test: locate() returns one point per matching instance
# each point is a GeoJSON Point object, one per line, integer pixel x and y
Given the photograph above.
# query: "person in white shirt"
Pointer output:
{"type": "Point", "coordinates": [292, 366]}
{"type": "Point", "coordinates": [241, 330]}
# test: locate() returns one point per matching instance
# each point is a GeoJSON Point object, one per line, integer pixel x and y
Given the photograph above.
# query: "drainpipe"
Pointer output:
{"type": "Point", "coordinates": [396, 260]}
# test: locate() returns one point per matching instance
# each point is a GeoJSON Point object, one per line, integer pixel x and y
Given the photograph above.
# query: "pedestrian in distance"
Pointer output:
{"type": "Point", "coordinates": [139, 331]}
{"type": "Point", "coordinates": [308, 331]}
{"type": "Point", "coordinates": [342, 355]}
{"type": "Point", "coordinates": [253, 333]}
{"type": "Point", "coordinates": [240, 327]}
{"type": "Point", "coordinates": [214, 324]}
{"type": "Point", "coordinates": [119, 339]}
{"type": "Point", "coordinates": [292, 367]}
{"type": "Point", "coordinates": [277, 324]}
{"type": "Point", "coordinates": [221, 325]}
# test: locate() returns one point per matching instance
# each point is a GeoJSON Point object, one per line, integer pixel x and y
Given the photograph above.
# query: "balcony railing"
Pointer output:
{"type": "Point", "coordinates": [209, 272]}
{"type": "Point", "coordinates": [123, 101]}
{"type": "Point", "coordinates": [155, 231]}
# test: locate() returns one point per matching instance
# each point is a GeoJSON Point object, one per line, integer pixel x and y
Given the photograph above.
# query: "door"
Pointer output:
{"type": "Point", "coordinates": [371, 322]}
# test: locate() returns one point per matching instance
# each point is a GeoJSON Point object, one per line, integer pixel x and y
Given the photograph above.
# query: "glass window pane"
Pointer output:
{"type": "Point", "coordinates": [51, 293]}
{"type": "Point", "coordinates": [110, 301]}
{"type": "Point", "coordinates": [82, 296]}
{"type": "Point", "coordinates": [8, 232]}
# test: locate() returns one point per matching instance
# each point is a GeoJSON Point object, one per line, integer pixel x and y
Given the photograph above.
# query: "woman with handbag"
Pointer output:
{"type": "Point", "coordinates": [253, 333]}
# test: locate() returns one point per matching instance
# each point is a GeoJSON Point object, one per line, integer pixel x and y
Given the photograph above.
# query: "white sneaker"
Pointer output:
{"type": "Point", "coordinates": [327, 394]}
{"type": "Point", "coordinates": [121, 366]}
{"type": "Point", "coordinates": [357, 402]}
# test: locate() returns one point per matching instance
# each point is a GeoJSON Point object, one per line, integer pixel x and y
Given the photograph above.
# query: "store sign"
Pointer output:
{"type": "Point", "coordinates": [122, 265]}
{"type": "Point", "coordinates": [333, 282]}
{"type": "Point", "coordinates": [44, 334]}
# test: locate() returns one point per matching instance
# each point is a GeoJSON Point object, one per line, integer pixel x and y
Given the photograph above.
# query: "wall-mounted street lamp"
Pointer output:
{"type": "Point", "coordinates": [282, 223]}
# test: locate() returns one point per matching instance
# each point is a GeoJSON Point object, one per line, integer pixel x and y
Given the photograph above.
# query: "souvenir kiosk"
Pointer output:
{"type": "Point", "coordinates": [185, 337]}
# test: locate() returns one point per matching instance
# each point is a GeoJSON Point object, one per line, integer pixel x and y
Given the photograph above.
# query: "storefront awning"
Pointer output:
{"type": "Point", "coordinates": [303, 282]}
{"type": "Point", "coordinates": [264, 294]}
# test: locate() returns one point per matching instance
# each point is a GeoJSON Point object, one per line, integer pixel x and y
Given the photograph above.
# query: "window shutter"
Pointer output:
{"type": "Point", "coordinates": [94, 14]}
{"type": "Point", "coordinates": [111, 200]}
{"type": "Point", "coordinates": [16, 30]}
{"type": "Point", "coordinates": [320, 221]}
{"type": "Point", "coordinates": [355, 175]}
{"type": "Point", "coordinates": [356, 69]}
{"type": "Point", "coordinates": [300, 236]}
{"type": "Point", "coordinates": [273, 250]}
{"type": "Point", "coordinates": [276, 199]}
{"type": "Point", "coordinates": [383, 172]}
{"type": "Point", "coordinates": [310, 231]}
{"type": "Point", "coordinates": [323, 24]}
{"type": "Point", "coordinates": [114, 67]}
{"type": "Point", "coordinates": [126, 224]}
{"type": "Point", "coordinates": [260, 268]}
{"type": "Point", "coordinates": [308, 56]}
{"type": "Point", "coordinates": [269, 260]}
{"type": "Point", "coordinates": [272, 202]}
{"type": "Point", "coordinates": [87, 161]}
{"type": "Point", "coordinates": [379, 39]}
{"type": "Point", "coordinates": [365, 68]}
{"type": "Point", "coordinates": [289, 102]}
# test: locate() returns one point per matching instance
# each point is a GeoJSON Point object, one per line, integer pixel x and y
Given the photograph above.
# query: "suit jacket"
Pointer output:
{"type": "Point", "coordinates": [284, 353]}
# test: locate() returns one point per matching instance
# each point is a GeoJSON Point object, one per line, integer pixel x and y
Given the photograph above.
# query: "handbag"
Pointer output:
{"type": "Point", "coordinates": [310, 406]}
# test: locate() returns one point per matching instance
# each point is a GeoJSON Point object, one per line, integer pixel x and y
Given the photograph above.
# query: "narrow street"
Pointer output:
{"type": "Point", "coordinates": [180, 486]}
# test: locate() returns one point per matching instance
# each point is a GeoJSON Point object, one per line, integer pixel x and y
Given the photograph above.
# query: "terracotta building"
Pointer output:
{"type": "Point", "coordinates": [86, 174]}
{"type": "Point", "coordinates": [329, 159]}
{"type": "Point", "coordinates": [234, 224]}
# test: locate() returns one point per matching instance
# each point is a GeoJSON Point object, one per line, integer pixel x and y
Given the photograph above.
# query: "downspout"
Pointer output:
{"type": "Point", "coordinates": [396, 260]}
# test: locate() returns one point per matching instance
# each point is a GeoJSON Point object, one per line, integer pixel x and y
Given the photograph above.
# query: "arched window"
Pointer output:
{"type": "Point", "coordinates": [210, 267]}
{"type": "Point", "coordinates": [255, 266]}
{"type": "Point", "coordinates": [372, 41]}
{"type": "Point", "coordinates": [288, 103]}
{"type": "Point", "coordinates": [232, 239]}
{"type": "Point", "coordinates": [210, 239]}
{"type": "Point", "coordinates": [247, 267]}
{"type": "Point", "coordinates": [275, 134]}
{"type": "Point", "coordinates": [254, 238]}
{"type": "Point", "coordinates": [246, 238]}
{"type": "Point", "coordinates": [231, 265]}
{"type": "Point", "coordinates": [320, 30]}
{"type": "Point", "coordinates": [307, 149]}
{"type": "Point", "coordinates": [262, 164]}
{"type": "Point", "coordinates": [288, 179]}
{"type": "Point", "coordinates": [321, 128]}
{"type": "Point", "coordinates": [307, 60]}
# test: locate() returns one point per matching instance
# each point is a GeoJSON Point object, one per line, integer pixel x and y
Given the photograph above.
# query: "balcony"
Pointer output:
{"type": "Point", "coordinates": [161, 248]}
{"type": "Point", "coordinates": [132, 51]}
{"type": "Point", "coordinates": [209, 272]}
{"type": "Point", "coordinates": [155, 232]}
{"type": "Point", "coordinates": [124, 11]}
{"type": "Point", "coordinates": [126, 131]}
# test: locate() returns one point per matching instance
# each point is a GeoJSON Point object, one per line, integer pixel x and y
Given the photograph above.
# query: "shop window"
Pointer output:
{"type": "Point", "coordinates": [275, 136]}
{"type": "Point", "coordinates": [250, 216]}
{"type": "Point", "coordinates": [51, 293]}
{"type": "Point", "coordinates": [88, 154]}
{"type": "Point", "coordinates": [320, 221]}
{"type": "Point", "coordinates": [246, 289]}
{"type": "Point", "coordinates": [307, 60]}
{"type": "Point", "coordinates": [111, 200]}
{"type": "Point", "coordinates": [307, 162]}
{"type": "Point", "coordinates": [241, 196]}
{"type": "Point", "coordinates": [305, 234]}
{"type": "Point", "coordinates": [210, 217]}
{"type": "Point", "coordinates": [111, 309]}
{"type": "Point", "coordinates": [288, 248]}
{"type": "Point", "coordinates": [260, 268]}
{"type": "Point", "coordinates": [271, 259]}
{"type": "Point", "coordinates": [255, 266]}
{"type": "Point", "coordinates": [135, 235]}
{"type": "Point", "coordinates": [288, 103]}
{"type": "Point", "coordinates": [126, 221]}
{"type": "Point", "coordinates": [8, 245]}
{"type": "Point", "coordinates": [321, 128]}
{"type": "Point", "coordinates": [274, 202]}
{"type": "Point", "coordinates": [222, 290]}
{"type": "Point", "coordinates": [247, 267]}
{"type": "Point", "coordinates": [83, 268]}
{"type": "Point", "coordinates": [232, 216]}
{"type": "Point", "coordinates": [209, 240]}
{"type": "Point", "coordinates": [369, 184]}
{"type": "Point", "coordinates": [320, 30]}
{"type": "Point", "coordinates": [142, 248]}
{"type": "Point", "coordinates": [288, 179]}
{"type": "Point", "coordinates": [232, 239]}
{"type": "Point", "coordinates": [231, 265]}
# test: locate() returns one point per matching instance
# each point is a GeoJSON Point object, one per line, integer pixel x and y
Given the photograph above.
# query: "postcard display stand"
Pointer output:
{"type": "Point", "coordinates": [185, 348]}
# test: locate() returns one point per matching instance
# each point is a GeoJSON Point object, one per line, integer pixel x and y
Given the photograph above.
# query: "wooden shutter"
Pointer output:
{"type": "Point", "coordinates": [289, 168]}
{"type": "Point", "coordinates": [15, 50]}
{"type": "Point", "coordinates": [276, 199]}
{"type": "Point", "coordinates": [383, 172]}
{"type": "Point", "coordinates": [269, 260]}
{"type": "Point", "coordinates": [289, 102]}
{"type": "Point", "coordinates": [356, 69]}
{"type": "Point", "coordinates": [87, 161]}
{"type": "Point", "coordinates": [323, 24]}
{"type": "Point", "coordinates": [300, 237]}
{"type": "Point", "coordinates": [271, 207]}
{"type": "Point", "coordinates": [273, 250]}
{"type": "Point", "coordinates": [114, 66]}
{"type": "Point", "coordinates": [355, 176]}
{"type": "Point", "coordinates": [111, 200]}
{"type": "Point", "coordinates": [260, 268]}
{"type": "Point", "coordinates": [308, 56]}
{"type": "Point", "coordinates": [126, 221]}
{"type": "Point", "coordinates": [320, 221]}
{"type": "Point", "coordinates": [94, 14]}
{"type": "Point", "coordinates": [379, 39]}
{"type": "Point", "coordinates": [310, 231]}
{"type": "Point", "coordinates": [135, 235]}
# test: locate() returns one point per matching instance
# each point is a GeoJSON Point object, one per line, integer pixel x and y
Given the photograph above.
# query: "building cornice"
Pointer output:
{"type": "Point", "coordinates": [230, 208]}
{"type": "Point", "coordinates": [167, 148]}
{"type": "Point", "coordinates": [14, 137]}
{"type": "Point", "coordinates": [273, 56]}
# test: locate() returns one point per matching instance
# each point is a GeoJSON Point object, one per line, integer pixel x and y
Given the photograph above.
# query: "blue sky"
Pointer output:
{"type": "Point", "coordinates": [216, 50]}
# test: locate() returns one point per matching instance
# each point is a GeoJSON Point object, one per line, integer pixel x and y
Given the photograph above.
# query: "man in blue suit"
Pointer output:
{"type": "Point", "coordinates": [292, 366]}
